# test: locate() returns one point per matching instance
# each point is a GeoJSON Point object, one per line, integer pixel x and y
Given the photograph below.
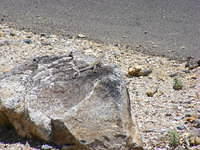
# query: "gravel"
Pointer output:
{"type": "Point", "coordinates": [167, 109]}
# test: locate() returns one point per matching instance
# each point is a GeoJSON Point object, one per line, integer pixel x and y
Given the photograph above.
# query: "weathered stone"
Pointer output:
{"type": "Point", "coordinates": [151, 92]}
{"type": "Point", "coordinates": [137, 71]}
{"type": "Point", "coordinates": [81, 36]}
{"type": "Point", "coordinates": [181, 127]}
{"type": "Point", "coordinates": [194, 140]}
{"type": "Point", "coordinates": [1, 34]}
{"type": "Point", "coordinates": [197, 123]}
{"type": "Point", "coordinates": [42, 98]}
{"type": "Point", "coordinates": [46, 147]}
{"type": "Point", "coordinates": [27, 41]}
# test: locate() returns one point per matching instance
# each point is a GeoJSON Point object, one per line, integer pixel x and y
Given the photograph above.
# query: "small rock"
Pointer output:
{"type": "Point", "coordinates": [27, 41]}
{"type": "Point", "coordinates": [127, 46]}
{"type": "Point", "coordinates": [50, 48]}
{"type": "Point", "coordinates": [117, 45]}
{"type": "Point", "coordinates": [12, 34]}
{"type": "Point", "coordinates": [195, 132]}
{"type": "Point", "coordinates": [145, 32]}
{"type": "Point", "coordinates": [46, 43]}
{"type": "Point", "coordinates": [182, 127]}
{"type": "Point", "coordinates": [198, 62]}
{"type": "Point", "coordinates": [194, 77]}
{"type": "Point", "coordinates": [163, 130]}
{"type": "Point", "coordinates": [188, 115]}
{"type": "Point", "coordinates": [197, 123]}
{"type": "Point", "coordinates": [178, 118]}
{"type": "Point", "coordinates": [178, 85]}
{"type": "Point", "coordinates": [46, 147]}
{"type": "Point", "coordinates": [29, 36]}
{"type": "Point", "coordinates": [182, 47]}
{"type": "Point", "coordinates": [1, 34]}
{"type": "Point", "coordinates": [173, 74]}
{"type": "Point", "coordinates": [161, 148]}
{"type": "Point", "coordinates": [145, 72]}
{"type": "Point", "coordinates": [150, 93]}
{"type": "Point", "coordinates": [186, 71]}
{"type": "Point", "coordinates": [82, 36]}
{"type": "Point", "coordinates": [149, 130]}
{"type": "Point", "coordinates": [168, 114]}
{"type": "Point", "coordinates": [27, 144]}
{"type": "Point", "coordinates": [134, 71]}
{"type": "Point", "coordinates": [5, 146]}
{"type": "Point", "coordinates": [42, 35]}
{"type": "Point", "coordinates": [69, 36]}
{"type": "Point", "coordinates": [194, 140]}
{"type": "Point", "coordinates": [137, 71]}
{"type": "Point", "coordinates": [191, 119]}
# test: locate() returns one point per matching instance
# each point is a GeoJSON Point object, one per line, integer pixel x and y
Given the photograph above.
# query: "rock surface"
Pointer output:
{"type": "Point", "coordinates": [42, 99]}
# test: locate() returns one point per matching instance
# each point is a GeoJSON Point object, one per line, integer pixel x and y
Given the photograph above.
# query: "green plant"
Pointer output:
{"type": "Point", "coordinates": [178, 85]}
{"type": "Point", "coordinates": [174, 138]}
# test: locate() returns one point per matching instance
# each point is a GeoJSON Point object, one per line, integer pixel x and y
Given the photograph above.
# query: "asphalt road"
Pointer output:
{"type": "Point", "coordinates": [163, 27]}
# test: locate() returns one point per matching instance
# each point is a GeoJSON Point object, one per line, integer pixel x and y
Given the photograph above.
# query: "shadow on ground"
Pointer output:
{"type": "Point", "coordinates": [8, 135]}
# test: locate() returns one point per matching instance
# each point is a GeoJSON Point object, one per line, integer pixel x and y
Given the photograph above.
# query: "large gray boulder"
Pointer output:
{"type": "Point", "coordinates": [50, 99]}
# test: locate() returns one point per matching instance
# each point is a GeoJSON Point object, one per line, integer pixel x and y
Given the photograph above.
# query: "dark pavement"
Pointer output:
{"type": "Point", "coordinates": [164, 27]}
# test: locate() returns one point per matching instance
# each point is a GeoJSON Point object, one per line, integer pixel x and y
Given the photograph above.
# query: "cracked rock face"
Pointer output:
{"type": "Point", "coordinates": [43, 99]}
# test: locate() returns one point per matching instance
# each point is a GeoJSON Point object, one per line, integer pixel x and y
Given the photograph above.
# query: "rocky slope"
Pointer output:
{"type": "Point", "coordinates": [168, 117]}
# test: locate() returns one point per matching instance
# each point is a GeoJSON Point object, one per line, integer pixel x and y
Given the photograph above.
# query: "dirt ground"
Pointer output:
{"type": "Point", "coordinates": [164, 114]}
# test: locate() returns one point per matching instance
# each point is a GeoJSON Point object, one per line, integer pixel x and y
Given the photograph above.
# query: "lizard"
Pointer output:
{"type": "Point", "coordinates": [92, 66]}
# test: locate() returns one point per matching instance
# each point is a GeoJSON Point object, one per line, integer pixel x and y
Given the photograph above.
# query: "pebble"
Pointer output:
{"type": "Point", "coordinates": [188, 115]}
{"type": "Point", "coordinates": [46, 147]}
{"type": "Point", "coordinates": [173, 75]}
{"type": "Point", "coordinates": [168, 114]}
{"type": "Point", "coordinates": [45, 43]}
{"type": "Point", "coordinates": [150, 130]}
{"type": "Point", "coordinates": [81, 36]}
{"type": "Point", "coordinates": [137, 71]}
{"type": "Point", "coordinates": [12, 34]}
{"type": "Point", "coordinates": [134, 71]}
{"type": "Point", "coordinates": [69, 36]}
{"type": "Point", "coordinates": [191, 119]}
{"type": "Point", "coordinates": [145, 72]}
{"type": "Point", "coordinates": [1, 34]}
{"type": "Point", "coordinates": [27, 41]}
{"type": "Point", "coordinates": [194, 140]}
{"type": "Point", "coordinates": [150, 93]}
{"type": "Point", "coordinates": [42, 35]}
{"type": "Point", "coordinates": [186, 71]}
{"type": "Point", "coordinates": [28, 36]}
{"type": "Point", "coordinates": [163, 131]}
{"type": "Point", "coordinates": [178, 118]}
{"type": "Point", "coordinates": [181, 127]}
{"type": "Point", "coordinates": [197, 123]}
